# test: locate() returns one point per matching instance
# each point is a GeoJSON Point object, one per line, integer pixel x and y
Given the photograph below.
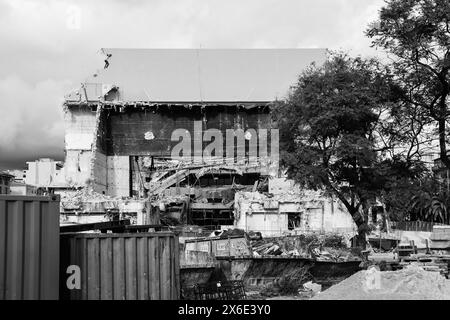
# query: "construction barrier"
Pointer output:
{"type": "Point", "coordinates": [120, 266]}
{"type": "Point", "coordinates": [415, 225]}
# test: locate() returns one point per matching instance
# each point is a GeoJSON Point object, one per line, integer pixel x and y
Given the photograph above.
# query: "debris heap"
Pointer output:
{"type": "Point", "coordinates": [78, 200]}
{"type": "Point", "coordinates": [429, 262]}
{"type": "Point", "coordinates": [411, 283]}
{"type": "Point", "coordinates": [312, 246]}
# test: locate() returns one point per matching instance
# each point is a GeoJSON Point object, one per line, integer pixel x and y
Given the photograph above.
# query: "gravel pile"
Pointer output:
{"type": "Point", "coordinates": [411, 283]}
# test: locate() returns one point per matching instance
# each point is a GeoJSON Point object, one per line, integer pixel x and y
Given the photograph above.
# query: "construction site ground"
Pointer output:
{"type": "Point", "coordinates": [411, 283]}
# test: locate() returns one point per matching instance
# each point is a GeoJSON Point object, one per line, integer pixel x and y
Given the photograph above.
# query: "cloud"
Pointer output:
{"type": "Point", "coordinates": [32, 125]}
{"type": "Point", "coordinates": [49, 47]}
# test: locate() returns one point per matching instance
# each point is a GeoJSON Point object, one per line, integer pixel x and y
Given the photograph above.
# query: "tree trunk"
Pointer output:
{"type": "Point", "coordinates": [362, 226]}
{"type": "Point", "coordinates": [442, 136]}
{"type": "Point", "coordinates": [358, 218]}
{"type": "Point", "coordinates": [361, 240]}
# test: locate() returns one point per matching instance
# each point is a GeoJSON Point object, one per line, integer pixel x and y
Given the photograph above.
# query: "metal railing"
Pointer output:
{"type": "Point", "coordinates": [425, 226]}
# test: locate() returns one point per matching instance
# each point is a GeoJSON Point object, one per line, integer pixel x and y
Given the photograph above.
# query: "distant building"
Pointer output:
{"type": "Point", "coordinates": [19, 175]}
{"type": "Point", "coordinates": [23, 189]}
{"type": "Point", "coordinates": [44, 172]}
{"type": "Point", "coordinates": [5, 182]}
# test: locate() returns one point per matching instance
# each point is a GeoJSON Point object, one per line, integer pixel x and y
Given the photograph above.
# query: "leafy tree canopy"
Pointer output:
{"type": "Point", "coordinates": [327, 131]}
{"type": "Point", "coordinates": [416, 34]}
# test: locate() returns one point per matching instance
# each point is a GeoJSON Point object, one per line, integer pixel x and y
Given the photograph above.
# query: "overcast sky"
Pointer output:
{"type": "Point", "coordinates": [47, 48]}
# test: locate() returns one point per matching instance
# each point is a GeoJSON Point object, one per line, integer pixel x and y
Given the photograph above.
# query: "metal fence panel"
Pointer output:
{"type": "Point", "coordinates": [125, 266]}
{"type": "Point", "coordinates": [415, 225]}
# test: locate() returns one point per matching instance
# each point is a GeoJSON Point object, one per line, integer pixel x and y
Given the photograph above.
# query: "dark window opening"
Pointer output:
{"type": "Point", "coordinates": [293, 220]}
{"type": "Point", "coordinates": [376, 210]}
{"type": "Point", "coordinates": [212, 219]}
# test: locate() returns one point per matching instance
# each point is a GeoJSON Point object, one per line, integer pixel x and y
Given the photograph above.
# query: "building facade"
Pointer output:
{"type": "Point", "coordinates": [289, 210]}
{"type": "Point", "coordinates": [23, 189]}
{"type": "Point", "coordinates": [5, 182]}
{"type": "Point", "coordinates": [44, 172]}
{"type": "Point", "coordinates": [124, 119]}
{"type": "Point", "coordinates": [191, 125]}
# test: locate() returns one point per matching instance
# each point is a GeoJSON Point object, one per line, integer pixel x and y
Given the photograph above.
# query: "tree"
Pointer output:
{"type": "Point", "coordinates": [416, 34]}
{"type": "Point", "coordinates": [413, 193]}
{"type": "Point", "coordinates": [327, 131]}
{"type": "Point", "coordinates": [430, 203]}
{"type": "Point", "coordinates": [402, 182]}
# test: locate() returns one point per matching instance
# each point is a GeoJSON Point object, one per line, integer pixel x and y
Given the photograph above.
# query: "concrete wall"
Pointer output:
{"type": "Point", "coordinates": [80, 125]}
{"type": "Point", "coordinates": [79, 136]}
{"type": "Point", "coordinates": [23, 189]}
{"type": "Point", "coordinates": [269, 224]}
{"type": "Point", "coordinates": [99, 161]}
{"type": "Point", "coordinates": [18, 190]}
{"type": "Point", "coordinates": [257, 212]}
{"type": "Point", "coordinates": [43, 172]}
{"type": "Point", "coordinates": [77, 167]}
{"type": "Point", "coordinates": [118, 176]}
{"type": "Point", "coordinates": [86, 162]}
{"type": "Point", "coordinates": [283, 185]}
{"type": "Point", "coordinates": [100, 172]}
{"type": "Point", "coordinates": [126, 130]}
{"type": "Point", "coordinates": [332, 217]}
{"type": "Point", "coordinates": [250, 215]}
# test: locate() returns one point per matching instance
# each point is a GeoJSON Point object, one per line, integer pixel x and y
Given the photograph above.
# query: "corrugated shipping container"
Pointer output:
{"type": "Point", "coordinates": [29, 247]}
{"type": "Point", "coordinates": [234, 246]}
{"type": "Point", "coordinates": [122, 266]}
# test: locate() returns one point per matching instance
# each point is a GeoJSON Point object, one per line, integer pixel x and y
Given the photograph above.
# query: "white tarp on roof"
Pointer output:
{"type": "Point", "coordinates": [202, 75]}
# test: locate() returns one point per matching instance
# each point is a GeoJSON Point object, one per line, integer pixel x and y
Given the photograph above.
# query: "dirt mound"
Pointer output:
{"type": "Point", "coordinates": [411, 283]}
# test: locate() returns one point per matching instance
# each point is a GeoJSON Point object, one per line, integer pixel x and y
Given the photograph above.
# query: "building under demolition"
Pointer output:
{"type": "Point", "coordinates": [189, 127]}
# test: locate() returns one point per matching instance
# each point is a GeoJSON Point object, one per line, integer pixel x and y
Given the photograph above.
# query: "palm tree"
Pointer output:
{"type": "Point", "coordinates": [429, 207]}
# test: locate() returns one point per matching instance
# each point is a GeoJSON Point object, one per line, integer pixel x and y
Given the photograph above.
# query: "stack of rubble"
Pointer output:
{"type": "Point", "coordinates": [78, 200]}
{"type": "Point", "coordinates": [260, 249]}
{"type": "Point", "coordinates": [172, 209]}
{"type": "Point", "coordinates": [429, 263]}
{"type": "Point", "coordinates": [317, 247]}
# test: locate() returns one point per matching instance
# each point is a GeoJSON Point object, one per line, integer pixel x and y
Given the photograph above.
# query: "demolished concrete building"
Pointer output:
{"type": "Point", "coordinates": [124, 124]}
{"type": "Point", "coordinates": [126, 114]}
{"type": "Point", "coordinates": [289, 210]}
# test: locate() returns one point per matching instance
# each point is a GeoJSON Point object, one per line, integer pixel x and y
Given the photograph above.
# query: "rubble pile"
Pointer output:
{"type": "Point", "coordinates": [172, 209]}
{"type": "Point", "coordinates": [162, 200]}
{"type": "Point", "coordinates": [75, 199]}
{"type": "Point", "coordinates": [312, 246]}
{"type": "Point", "coordinates": [411, 283]}
{"type": "Point", "coordinates": [428, 262]}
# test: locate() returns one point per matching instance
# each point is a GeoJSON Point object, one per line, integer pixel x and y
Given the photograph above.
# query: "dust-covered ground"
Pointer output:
{"type": "Point", "coordinates": [411, 283]}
